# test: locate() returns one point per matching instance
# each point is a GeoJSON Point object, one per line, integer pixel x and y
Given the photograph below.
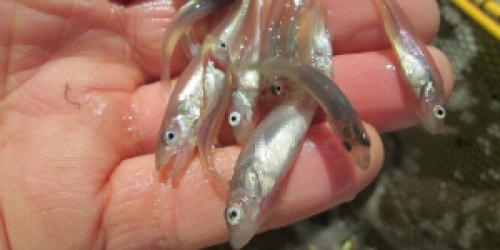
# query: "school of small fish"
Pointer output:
{"type": "Point", "coordinates": [278, 57]}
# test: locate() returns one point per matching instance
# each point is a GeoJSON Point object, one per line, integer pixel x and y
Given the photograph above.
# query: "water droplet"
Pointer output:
{"type": "Point", "coordinates": [390, 67]}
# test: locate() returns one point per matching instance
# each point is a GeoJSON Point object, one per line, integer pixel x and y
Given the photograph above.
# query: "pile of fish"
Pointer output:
{"type": "Point", "coordinates": [279, 57]}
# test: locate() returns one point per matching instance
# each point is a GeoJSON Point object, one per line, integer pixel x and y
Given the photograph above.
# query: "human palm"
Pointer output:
{"type": "Point", "coordinates": [81, 106]}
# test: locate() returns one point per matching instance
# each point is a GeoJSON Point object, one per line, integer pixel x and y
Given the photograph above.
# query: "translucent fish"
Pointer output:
{"type": "Point", "coordinates": [241, 111]}
{"type": "Point", "coordinates": [194, 90]}
{"type": "Point", "coordinates": [415, 64]}
{"type": "Point", "coordinates": [269, 153]}
{"type": "Point", "coordinates": [198, 88]}
{"type": "Point", "coordinates": [241, 114]}
{"type": "Point", "coordinates": [234, 33]}
{"type": "Point", "coordinates": [261, 167]}
{"type": "Point", "coordinates": [343, 118]}
{"type": "Point", "coordinates": [212, 117]}
{"type": "Point", "coordinates": [190, 13]}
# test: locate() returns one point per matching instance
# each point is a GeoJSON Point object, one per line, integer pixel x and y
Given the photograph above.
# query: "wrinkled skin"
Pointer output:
{"type": "Point", "coordinates": [77, 170]}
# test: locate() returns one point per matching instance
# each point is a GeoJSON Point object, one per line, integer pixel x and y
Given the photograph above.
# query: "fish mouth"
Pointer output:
{"type": "Point", "coordinates": [239, 239]}
{"type": "Point", "coordinates": [181, 159]}
{"type": "Point", "coordinates": [163, 156]}
{"type": "Point", "coordinates": [433, 124]}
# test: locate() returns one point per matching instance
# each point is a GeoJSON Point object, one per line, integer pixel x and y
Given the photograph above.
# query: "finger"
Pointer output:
{"type": "Point", "coordinates": [355, 26]}
{"type": "Point", "coordinates": [368, 79]}
{"type": "Point", "coordinates": [145, 213]}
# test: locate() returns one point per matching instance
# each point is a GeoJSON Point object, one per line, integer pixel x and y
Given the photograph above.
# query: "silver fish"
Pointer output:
{"type": "Point", "coordinates": [315, 50]}
{"type": "Point", "coordinates": [196, 88]}
{"type": "Point", "coordinates": [211, 121]}
{"type": "Point", "coordinates": [261, 166]}
{"type": "Point", "coordinates": [269, 153]}
{"type": "Point", "coordinates": [242, 117]}
{"type": "Point", "coordinates": [190, 13]}
{"type": "Point", "coordinates": [242, 47]}
{"type": "Point", "coordinates": [343, 117]}
{"type": "Point", "coordinates": [415, 64]}
{"type": "Point", "coordinates": [193, 92]}
{"type": "Point", "coordinates": [241, 111]}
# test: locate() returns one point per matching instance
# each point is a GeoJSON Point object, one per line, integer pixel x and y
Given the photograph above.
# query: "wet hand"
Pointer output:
{"type": "Point", "coordinates": [80, 109]}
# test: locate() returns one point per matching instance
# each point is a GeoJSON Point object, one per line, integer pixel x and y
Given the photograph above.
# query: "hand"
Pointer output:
{"type": "Point", "coordinates": [78, 126]}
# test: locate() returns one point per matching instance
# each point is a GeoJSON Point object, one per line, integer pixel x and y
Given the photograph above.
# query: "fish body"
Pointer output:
{"type": "Point", "coordinates": [343, 118]}
{"type": "Point", "coordinates": [191, 12]}
{"type": "Point", "coordinates": [273, 146]}
{"type": "Point", "coordinates": [314, 53]}
{"type": "Point", "coordinates": [199, 87]}
{"type": "Point", "coordinates": [415, 64]}
{"type": "Point", "coordinates": [261, 167]}
{"type": "Point", "coordinates": [213, 115]}
{"type": "Point", "coordinates": [177, 138]}
{"type": "Point", "coordinates": [242, 116]}
{"type": "Point", "coordinates": [238, 35]}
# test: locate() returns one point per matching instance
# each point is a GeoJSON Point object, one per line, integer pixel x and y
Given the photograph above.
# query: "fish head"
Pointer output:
{"type": "Point", "coordinates": [176, 140]}
{"type": "Point", "coordinates": [241, 217]}
{"type": "Point", "coordinates": [243, 112]}
{"type": "Point", "coordinates": [357, 143]}
{"type": "Point", "coordinates": [217, 52]}
{"type": "Point", "coordinates": [241, 117]}
{"type": "Point", "coordinates": [433, 121]}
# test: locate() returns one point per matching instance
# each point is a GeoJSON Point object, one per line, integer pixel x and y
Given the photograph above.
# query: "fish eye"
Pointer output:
{"type": "Point", "coordinates": [169, 137]}
{"type": "Point", "coordinates": [347, 145]}
{"type": "Point", "coordinates": [365, 139]}
{"type": "Point", "coordinates": [222, 45]}
{"type": "Point", "coordinates": [439, 111]}
{"type": "Point", "coordinates": [234, 215]}
{"type": "Point", "coordinates": [276, 89]}
{"type": "Point", "coordinates": [234, 119]}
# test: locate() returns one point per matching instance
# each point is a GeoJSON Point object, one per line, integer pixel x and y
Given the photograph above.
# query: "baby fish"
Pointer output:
{"type": "Point", "coordinates": [196, 88]}
{"type": "Point", "coordinates": [343, 117]}
{"type": "Point", "coordinates": [261, 166]}
{"type": "Point", "coordinates": [242, 117]}
{"type": "Point", "coordinates": [190, 96]}
{"type": "Point", "coordinates": [241, 111]}
{"type": "Point", "coordinates": [211, 121]}
{"type": "Point", "coordinates": [241, 36]}
{"type": "Point", "coordinates": [316, 51]}
{"type": "Point", "coordinates": [415, 64]}
{"type": "Point", "coordinates": [190, 13]}
{"type": "Point", "coordinates": [269, 153]}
